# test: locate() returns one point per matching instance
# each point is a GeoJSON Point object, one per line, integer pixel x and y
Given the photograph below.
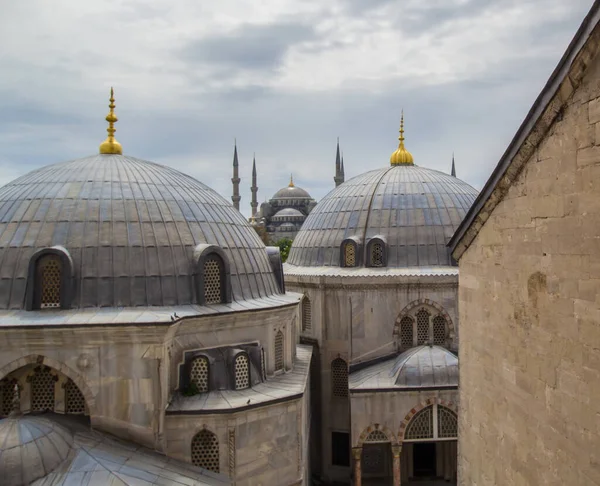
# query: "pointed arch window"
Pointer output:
{"type": "Point", "coordinates": [279, 347]}
{"type": "Point", "coordinates": [42, 389]}
{"type": "Point", "coordinates": [212, 275]}
{"type": "Point", "coordinates": [205, 451]}
{"type": "Point", "coordinates": [406, 332]}
{"type": "Point", "coordinates": [242, 371]}
{"type": "Point", "coordinates": [339, 378]}
{"type": "Point", "coordinates": [306, 314]}
{"type": "Point", "coordinates": [199, 373]}
{"type": "Point", "coordinates": [433, 422]}
{"type": "Point", "coordinates": [74, 400]}
{"type": "Point", "coordinates": [422, 326]}
{"type": "Point", "coordinates": [439, 330]}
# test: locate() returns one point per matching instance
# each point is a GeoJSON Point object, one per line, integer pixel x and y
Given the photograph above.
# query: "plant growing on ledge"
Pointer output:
{"type": "Point", "coordinates": [191, 390]}
{"type": "Point", "coordinates": [284, 245]}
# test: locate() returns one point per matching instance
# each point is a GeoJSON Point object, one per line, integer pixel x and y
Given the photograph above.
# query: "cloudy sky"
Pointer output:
{"type": "Point", "coordinates": [284, 77]}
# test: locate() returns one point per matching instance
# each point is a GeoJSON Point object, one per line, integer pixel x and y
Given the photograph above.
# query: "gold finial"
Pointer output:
{"type": "Point", "coordinates": [110, 145]}
{"type": "Point", "coordinates": [291, 180]}
{"type": "Point", "coordinates": [401, 156]}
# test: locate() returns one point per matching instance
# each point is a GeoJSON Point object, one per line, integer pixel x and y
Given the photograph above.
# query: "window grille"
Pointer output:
{"type": "Point", "coordinates": [306, 314]}
{"type": "Point", "coordinates": [373, 458]}
{"type": "Point", "coordinates": [349, 255]}
{"type": "Point", "coordinates": [439, 330]}
{"type": "Point", "coordinates": [205, 451]}
{"type": "Point", "coordinates": [199, 373]}
{"type": "Point", "coordinates": [422, 327]}
{"type": "Point", "coordinates": [447, 423]}
{"type": "Point", "coordinates": [339, 378]}
{"type": "Point", "coordinates": [7, 388]}
{"type": "Point", "coordinates": [49, 271]}
{"type": "Point", "coordinates": [421, 426]}
{"type": "Point", "coordinates": [74, 401]}
{"type": "Point", "coordinates": [377, 254]}
{"type": "Point", "coordinates": [406, 332]}
{"type": "Point", "coordinates": [242, 372]}
{"type": "Point", "coordinates": [212, 280]}
{"type": "Point", "coordinates": [263, 367]}
{"type": "Point", "coordinates": [42, 390]}
{"type": "Point", "coordinates": [377, 436]}
{"type": "Point", "coordinates": [279, 351]}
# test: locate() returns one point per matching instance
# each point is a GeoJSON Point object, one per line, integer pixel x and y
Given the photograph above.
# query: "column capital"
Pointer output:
{"type": "Point", "coordinates": [356, 452]}
{"type": "Point", "coordinates": [396, 450]}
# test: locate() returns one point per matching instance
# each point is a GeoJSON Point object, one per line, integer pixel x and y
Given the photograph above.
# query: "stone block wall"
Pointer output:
{"type": "Point", "coordinates": [529, 304]}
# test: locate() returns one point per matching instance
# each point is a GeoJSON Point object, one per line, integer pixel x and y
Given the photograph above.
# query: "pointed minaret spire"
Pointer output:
{"type": "Point", "coordinates": [339, 177]}
{"type": "Point", "coordinates": [343, 171]}
{"type": "Point", "coordinates": [110, 145]}
{"type": "Point", "coordinates": [453, 173]}
{"type": "Point", "coordinates": [291, 184]}
{"type": "Point", "coordinates": [236, 178]}
{"type": "Point", "coordinates": [254, 188]}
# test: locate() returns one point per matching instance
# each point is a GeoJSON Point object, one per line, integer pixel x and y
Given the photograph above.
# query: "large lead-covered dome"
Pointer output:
{"type": "Point", "coordinates": [130, 227]}
{"type": "Point", "coordinates": [413, 210]}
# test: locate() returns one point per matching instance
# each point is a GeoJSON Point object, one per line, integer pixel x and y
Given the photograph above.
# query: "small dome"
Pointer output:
{"type": "Point", "coordinates": [287, 227]}
{"type": "Point", "coordinates": [288, 213]}
{"type": "Point", "coordinates": [414, 208]}
{"type": "Point", "coordinates": [293, 192]}
{"type": "Point", "coordinates": [31, 448]}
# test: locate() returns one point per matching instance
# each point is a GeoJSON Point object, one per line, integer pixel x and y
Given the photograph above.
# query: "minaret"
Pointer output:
{"type": "Point", "coordinates": [343, 172]}
{"type": "Point", "coordinates": [339, 175]}
{"type": "Point", "coordinates": [254, 188]}
{"type": "Point", "coordinates": [453, 173]}
{"type": "Point", "coordinates": [110, 145]}
{"type": "Point", "coordinates": [235, 179]}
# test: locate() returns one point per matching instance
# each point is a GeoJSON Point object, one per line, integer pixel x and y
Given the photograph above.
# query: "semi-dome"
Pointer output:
{"type": "Point", "coordinates": [413, 210]}
{"type": "Point", "coordinates": [129, 228]}
{"type": "Point", "coordinates": [288, 213]}
{"type": "Point", "coordinates": [30, 448]}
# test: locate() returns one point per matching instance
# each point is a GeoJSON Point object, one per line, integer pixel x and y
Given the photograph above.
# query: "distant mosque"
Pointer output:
{"type": "Point", "coordinates": [284, 214]}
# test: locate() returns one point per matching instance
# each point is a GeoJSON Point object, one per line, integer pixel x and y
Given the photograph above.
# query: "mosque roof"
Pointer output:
{"type": "Point", "coordinates": [291, 192]}
{"type": "Point", "coordinates": [130, 227]}
{"type": "Point", "coordinates": [287, 212]}
{"type": "Point", "coordinates": [420, 367]}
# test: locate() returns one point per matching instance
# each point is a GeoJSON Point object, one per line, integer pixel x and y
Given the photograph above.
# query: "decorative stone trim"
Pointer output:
{"type": "Point", "coordinates": [430, 401]}
{"type": "Point", "coordinates": [56, 366]}
{"type": "Point", "coordinates": [425, 302]}
{"type": "Point", "coordinates": [365, 433]}
{"type": "Point", "coordinates": [231, 444]}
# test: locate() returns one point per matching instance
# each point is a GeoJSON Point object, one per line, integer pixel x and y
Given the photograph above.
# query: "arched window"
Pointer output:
{"type": "Point", "coordinates": [406, 332]}
{"type": "Point", "coordinates": [213, 279]}
{"type": "Point", "coordinates": [42, 389]}
{"type": "Point", "coordinates": [74, 401]}
{"type": "Point", "coordinates": [48, 279]}
{"type": "Point", "coordinates": [377, 435]}
{"type": "Point", "coordinates": [339, 378]}
{"type": "Point", "coordinates": [205, 451]}
{"type": "Point", "coordinates": [439, 330]}
{"type": "Point", "coordinates": [349, 255]}
{"type": "Point", "coordinates": [199, 370]}
{"type": "Point", "coordinates": [422, 327]}
{"type": "Point", "coordinates": [7, 389]}
{"type": "Point", "coordinates": [377, 254]}
{"type": "Point", "coordinates": [279, 362]}
{"type": "Point", "coordinates": [306, 314]}
{"type": "Point", "coordinates": [433, 422]}
{"type": "Point", "coordinates": [242, 371]}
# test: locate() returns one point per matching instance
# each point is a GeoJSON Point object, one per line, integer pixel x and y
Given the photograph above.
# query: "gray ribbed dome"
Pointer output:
{"type": "Point", "coordinates": [415, 209]}
{"type": "Point", "coordinates": [30, 448]}
{"type": "Point", "coordinates": [291, 192]}
{"type": "Point", "coordinates": [287, 213]}
{"type": "Point", "coordinates": [131, 227]}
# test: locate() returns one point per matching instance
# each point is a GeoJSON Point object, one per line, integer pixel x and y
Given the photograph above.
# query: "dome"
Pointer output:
{"type": "Point", "coordinates": [288, 213]}
{"type": "Point", "coordinates": [130, 228]}
{"type": "Point", "coordinates": [291, 192]}
{"type": "Point", "coordinates": [420, 367]}
{"type": "Point", "coordinates": [413, 209]}
{"type": "Point", "coordinates": [31, 448]}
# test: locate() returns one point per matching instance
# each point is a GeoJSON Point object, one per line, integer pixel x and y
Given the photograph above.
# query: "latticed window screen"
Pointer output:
{"type": "Point", "coordinates": [205, 450]}
{"type": "Point", "coordinates": [372, 460]}
{"type": "Point", "coordinates": [7, 389]}
{"type": "Point", "coordinates": [242, 372]}
{"type": "Point", "coordinates": [422, 327]}
{"type": "Point", "coordinates": [212, 280]}
{"type": "Point", "coordinates": [377, 436]}
{"type": "Point", "coordinates": [447, 423]}
{"type": "Point", "coordinates": [339, 378]}
{"type": "Point", "coordinates": [74, 401]}
{"type": "Point", "coordinates": [439, 330]}
{"type": "Point", "coordinates": [306, 314]}
{"type": "Point", "coordinates": [199, 373]}
{"type": "Point", "coordinates": [406, 332]}
{"type": "Point", "coordinates": [377, 254]}
{"type": "Point", "coordinates": [349, 255]}
{"type": "Point", "coordinates": [49, 274]}
{"type": "Point", "coordinates": [421, 426]}
{"type": "Point", "coordinates": [278, 351]}
{"type": "Point", "coordinates": [42, 390]}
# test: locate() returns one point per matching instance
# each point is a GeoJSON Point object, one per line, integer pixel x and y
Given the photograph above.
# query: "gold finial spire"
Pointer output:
{"type": "Point", "coordinates": [110, 145]}
{"type": "Point", "coordinates": [401, 156]}
{"type": "Point", "coordinates": [291, 180]}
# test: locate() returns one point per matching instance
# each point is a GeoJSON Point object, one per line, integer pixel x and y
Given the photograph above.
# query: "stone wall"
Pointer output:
{"type": "Point", "coordinates": [530, 316]}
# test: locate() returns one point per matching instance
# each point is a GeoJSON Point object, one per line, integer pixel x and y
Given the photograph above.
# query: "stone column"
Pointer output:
{"type": "Point", "coordinates": [357, 454]}
{"type": "Point", "coordinates": [396, 463]}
